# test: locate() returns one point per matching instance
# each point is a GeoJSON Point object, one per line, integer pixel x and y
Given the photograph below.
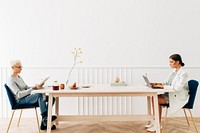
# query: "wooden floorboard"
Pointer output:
{"type": "Point", "coordinates": [28, 125]}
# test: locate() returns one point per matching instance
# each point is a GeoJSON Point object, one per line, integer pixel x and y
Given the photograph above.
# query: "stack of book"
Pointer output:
{"type": "Point", "coordinates": [118, 84]}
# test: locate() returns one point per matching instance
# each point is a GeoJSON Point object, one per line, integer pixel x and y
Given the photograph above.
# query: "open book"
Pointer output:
{"type": "Point", "coordinates": [43, 80]}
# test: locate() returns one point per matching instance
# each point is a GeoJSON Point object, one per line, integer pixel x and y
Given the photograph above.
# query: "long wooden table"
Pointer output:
{"type": "Point", "coordinates": [101, 91]}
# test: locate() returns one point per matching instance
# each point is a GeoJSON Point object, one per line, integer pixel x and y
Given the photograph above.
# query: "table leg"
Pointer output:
{"type": "Point", "coordinates": [157, 124]}
{"type": "Point", "coordinates": [57, 109]}
{"type": "Point", "coordinates": [49, 113]}
{"type": "Point", "coordinates": [149, 105]}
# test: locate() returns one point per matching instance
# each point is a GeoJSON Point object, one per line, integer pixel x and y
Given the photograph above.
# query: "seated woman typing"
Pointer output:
{"type": "Point", "coordinates": [177, 80]}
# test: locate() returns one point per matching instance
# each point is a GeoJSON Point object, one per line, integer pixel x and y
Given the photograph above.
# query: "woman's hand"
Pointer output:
{"type": "Point", "coordinates": [36, 87]}
{"type": "Point", "coordinates": [157, 85]}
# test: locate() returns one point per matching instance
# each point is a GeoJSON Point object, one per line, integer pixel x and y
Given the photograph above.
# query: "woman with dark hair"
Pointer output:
{"type": "Point", "coordinates": [177, 57]}
{"type": "Point", "coordinates": [178, 81]}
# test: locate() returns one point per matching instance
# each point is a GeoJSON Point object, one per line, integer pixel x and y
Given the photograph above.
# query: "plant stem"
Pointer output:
{"type": "Point", "coordinates": [75, 57]}
{"type": "Point", "coordinates": [70, 72]}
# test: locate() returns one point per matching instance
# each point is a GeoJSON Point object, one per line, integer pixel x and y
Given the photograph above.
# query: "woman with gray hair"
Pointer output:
{"type": "Point", "coordinates": [22, 93]}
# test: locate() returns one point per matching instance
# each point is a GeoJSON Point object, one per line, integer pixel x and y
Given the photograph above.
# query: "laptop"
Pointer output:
{"type": "Point", "coordinates": [149, 83]}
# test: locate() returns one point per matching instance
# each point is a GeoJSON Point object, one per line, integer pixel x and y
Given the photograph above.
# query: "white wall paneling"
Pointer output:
{"type": "Point", "coordinates": [95, 75]}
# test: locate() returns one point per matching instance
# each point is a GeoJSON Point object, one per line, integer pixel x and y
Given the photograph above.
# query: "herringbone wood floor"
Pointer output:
{"type": "Point", "coordinates": [28, 125]}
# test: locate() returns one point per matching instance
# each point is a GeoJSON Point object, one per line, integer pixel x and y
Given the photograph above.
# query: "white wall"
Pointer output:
{"type": "Point", "coordinates": [124, 32]}
{"type": "Point", "coordinates": [138, 33]}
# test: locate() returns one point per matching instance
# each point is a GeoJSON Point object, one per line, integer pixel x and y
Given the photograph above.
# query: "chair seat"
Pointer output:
{"type": "Point", "coordinates": [187, 106]}
{"type": "Point", "coordinates": [22, 106]}
{"type": "Point", "coordinates": [165, 105]}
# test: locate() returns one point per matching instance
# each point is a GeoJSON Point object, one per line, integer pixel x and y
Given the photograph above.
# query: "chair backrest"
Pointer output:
{"type": "Point", "coordinates": [10, 96]}
{"type": "Point", "coordinates": [193, 85]}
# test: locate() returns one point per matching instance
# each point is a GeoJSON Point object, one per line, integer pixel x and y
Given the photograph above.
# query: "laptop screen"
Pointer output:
{"type": "Point", "coordinates": [147, 81]}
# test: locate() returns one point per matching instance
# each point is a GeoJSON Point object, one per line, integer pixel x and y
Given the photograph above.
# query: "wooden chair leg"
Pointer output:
{"type": "Point", "coordinates": [165, 120]}
{"type": "Point", "coordinates": [13, 112]}
{"type": "Point", "coordinates": [19, 118]}
{"type": "Point", "coordinates": [186, 118]}
{"type": "Point", "coordinates": [37, 120]}
{"type": "Point", "coordinates": [193, 120]}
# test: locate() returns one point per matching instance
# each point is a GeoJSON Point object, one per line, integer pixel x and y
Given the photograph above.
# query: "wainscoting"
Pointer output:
{"type": "Point", "coordinates": [94, 75]}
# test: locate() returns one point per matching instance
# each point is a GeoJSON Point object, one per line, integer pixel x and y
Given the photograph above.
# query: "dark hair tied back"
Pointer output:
{"type": "Point", "coordinates": [177, 57]}
{"type": "Point", "coordinates": [182, 64]}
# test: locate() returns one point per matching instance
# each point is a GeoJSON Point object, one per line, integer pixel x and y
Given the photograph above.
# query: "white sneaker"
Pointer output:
{"type": "Point", "coordinates": [149, 124]}
{"type": "Point", "coordinates": [153, 128]}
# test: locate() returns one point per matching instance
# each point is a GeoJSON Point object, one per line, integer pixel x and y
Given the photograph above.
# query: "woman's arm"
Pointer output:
{"type": "Point", "coordinates": [18, 92]}
{"type": "Point", "coordinates": [178, 82]}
